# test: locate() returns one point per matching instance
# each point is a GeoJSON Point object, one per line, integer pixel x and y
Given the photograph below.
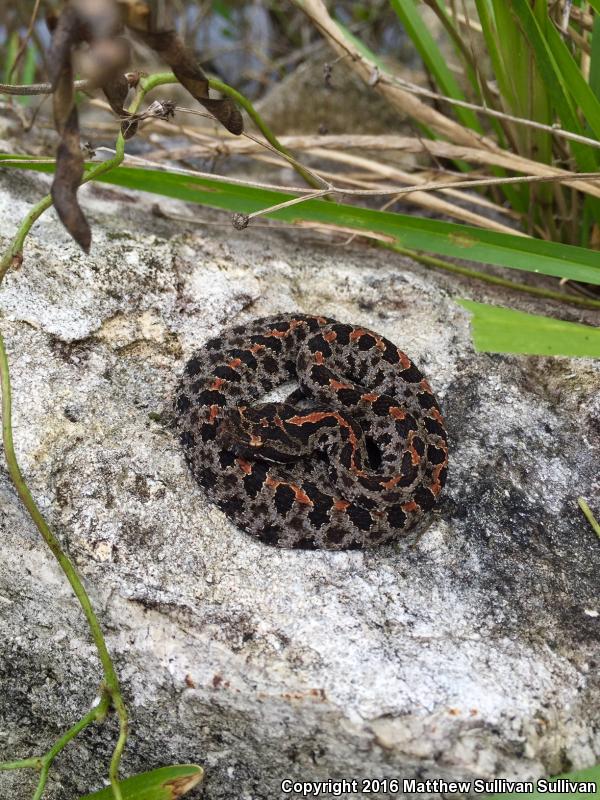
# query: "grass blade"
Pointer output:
{"type": "Point", "coordinates": [443, 238]}
{"type": "Point", "coordinates": [514, 57]}
{"type": "Point", "coordinates": [490, 36]}
{"type": "Point", "coordinates": [433, 59]}
{"type": "Point", "coordinates": [360, 46]}
{"type": "Point", "coordinates": [581, 92]}
{"type": "Point", "coordinates": [595, 58]}
{"type": "Point", "coordinates": [10, 53]}
{"type": "Point", "coordinates": [558, 89]}
{"type": "Point", "coordinates": [555, 82]}
{"type": "Point", "coordinates": [165, 783]}
{"type": "Point", "coordinates": [428, 235]}
{"type": "Point", "coordinates": [503, 330]}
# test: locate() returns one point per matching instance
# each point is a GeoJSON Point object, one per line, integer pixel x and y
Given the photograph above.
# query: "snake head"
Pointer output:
{"type": "Point", "coordinates": [256, 432]}
{"type": "Point", "coordinates": [237, 433]}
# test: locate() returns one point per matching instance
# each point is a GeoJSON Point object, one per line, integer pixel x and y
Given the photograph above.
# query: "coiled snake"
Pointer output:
{"type": "Point", "coordinates": [355, 457]}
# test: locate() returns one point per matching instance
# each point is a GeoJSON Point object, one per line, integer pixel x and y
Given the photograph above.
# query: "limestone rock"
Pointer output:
{"type": "Point", "coordinates": [472, 654]}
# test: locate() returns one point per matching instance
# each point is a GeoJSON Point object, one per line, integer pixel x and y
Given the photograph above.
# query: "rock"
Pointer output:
{"type": "Point", "coordinates": [325, 97]}
{"type": "Point", "coordinates": [472, 654]}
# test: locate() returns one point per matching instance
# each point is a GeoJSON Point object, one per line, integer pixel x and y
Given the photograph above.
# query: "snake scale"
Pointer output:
{"type": "Point", "coordinates": [356, 456]}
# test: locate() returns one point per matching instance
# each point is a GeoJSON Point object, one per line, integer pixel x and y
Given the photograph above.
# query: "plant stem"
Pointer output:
{"type": "Point", "coordinates": [98, 712]}
{"type": "Point", "coordinates": [264, 129]}
{"type": "Point", "coordinates": [112, 689]}
{"type": "Point", "coordinates": [111, 693]}
{"type": "Point", "coordinates": [163, 78]}
{"type": "Point", "coordinates": [13, 254]}
{"type": "Point", "coordinates": [43, 763]}
{"type": "Point", "coordinates": [36, 762]}
{"type": "Point", "coordinates": [590, 517]}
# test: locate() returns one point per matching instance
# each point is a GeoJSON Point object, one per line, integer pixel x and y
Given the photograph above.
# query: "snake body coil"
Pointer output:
{"type": "Point", "coordinates": [355, 457]}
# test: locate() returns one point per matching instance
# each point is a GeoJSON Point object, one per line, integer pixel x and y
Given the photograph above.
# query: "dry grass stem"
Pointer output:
{"type": "Point", "coordinates": [404, 101]}
{"type": "Point", "coordinates": [405, 144]}
{"type": "Point", "coordinates": [566, 177]}
{"type": "Point", "coordinates": [410, 145]}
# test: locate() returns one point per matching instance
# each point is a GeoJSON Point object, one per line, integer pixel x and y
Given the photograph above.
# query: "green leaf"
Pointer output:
{"type": "Point", "coordinates": [12, 48]}
{"type": "Point", "coordinates": [580, 90]}
{"type": "Point", "coordinates": [433, 59]}
{"type": "Point", "coordinates": [595, 4]}
{"type": "Point", "coordinates": [503, 330]}
{"type": "Point", "coordinates": [443, 238]}
{"type": "Point", "coordinates": [490, 35]}
{"type": "Point", "coordinates": [555, 82]}
{"type": "Point", "coordinates": [591, 775]}
{"type": "Point", "coordinates": [165, 783]}
{"type": "Point", "coordinates": [362, 48]}
{"type": "Point", "coordinates": [595, 57]}
{"type": "Point", "coordinates": [428, 235]}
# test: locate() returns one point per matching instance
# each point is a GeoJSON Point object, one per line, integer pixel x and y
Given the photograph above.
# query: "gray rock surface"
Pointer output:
{"type": "Point", "coordinates": [472, 654]}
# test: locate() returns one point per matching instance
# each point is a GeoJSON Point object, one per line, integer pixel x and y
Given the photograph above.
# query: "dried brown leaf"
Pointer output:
{"type": "Point", "coordinates": [60, 70]}
{"type": "Point", "coordinates": [69, 158]}
{"type": "Point", "coordinates": [181, 786]}
{"type": "Point", "coordinates": [115, 59]}
{"type": "Point", "coordinates": [129, 128]}
{"type": "Point", "coordinates": [188, 72]}
{"type": "Point", "coordinates": [116, 90]}
{"type": "Point", "coordinates": [69, 171]}
{"type": "Point", "coordinates": [96, 22]}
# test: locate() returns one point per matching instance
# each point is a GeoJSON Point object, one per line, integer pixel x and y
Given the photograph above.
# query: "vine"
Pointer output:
{"type": "Point", "coordinates": [110, 693]}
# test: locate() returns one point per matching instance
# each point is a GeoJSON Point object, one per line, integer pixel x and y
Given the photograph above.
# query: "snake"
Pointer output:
{"type": "Point", "coordinates": [355, 456]}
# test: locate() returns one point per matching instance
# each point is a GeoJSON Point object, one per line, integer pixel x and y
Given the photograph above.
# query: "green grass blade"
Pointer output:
{"type": "Point", "coordinates": [503, 330]}
{"type": "Point", "coordinates": [433, 59]}
{"type": "Point", "coordinates": [591, 775]}
{"type": "Point", "coordinates": [464, 50]}
{"type": "Point", "coordinates": [595, 58]}
{"type": "Point", "coordinates": [556, 85]}
{"type": "Point", "coordinates": [443, 238]}
{"type": "Point", "coordinates": [362, 48]}
{"type": "Point", "coordinates": [166, 783]}
{"type": "Point", "coordinates": [522, 91]}
{"type": "Point", "coordinates": [515, 58]}
{"type": "Point", "coordinates": [490, 35]}
{"type": "Point", "coordinates": [28, 72]}
{"type": "Point", "coordinates": [540, 108]}
{"type": "Point", "coordinates": [581, 92]}
{"type": "Point", "coordinates": [587, 215]}
{"type": "Point", "coordinates": [10, 53]}
{"type": "Point", "coordinates": [555, 82]}
{"type": "Point", "coordinates": [428, 235]}
{"type": "Point", "coordinates": [29, 64]}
